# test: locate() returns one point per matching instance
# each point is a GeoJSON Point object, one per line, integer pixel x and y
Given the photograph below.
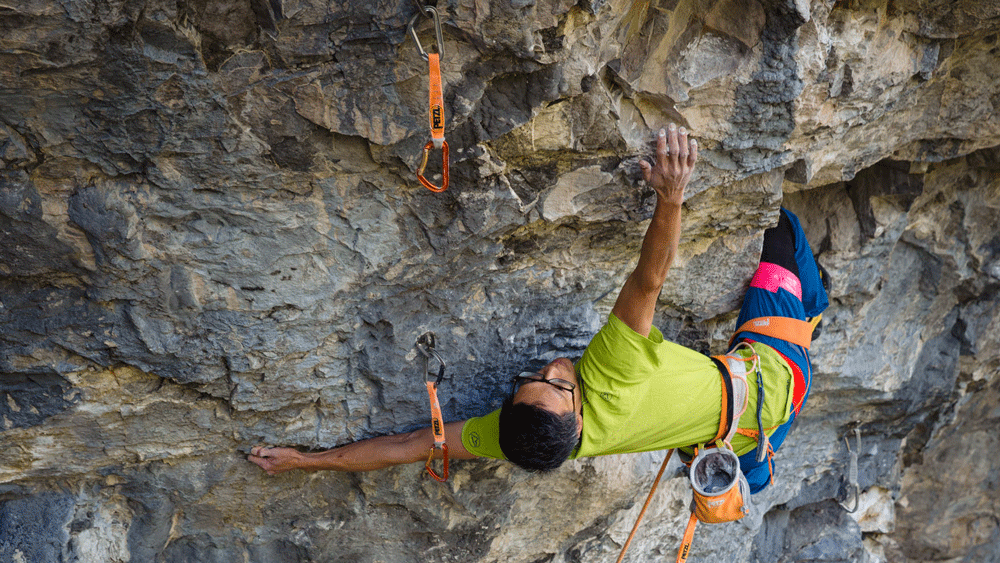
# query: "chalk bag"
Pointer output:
{"type": "Point", "coordinates": [721, 492]}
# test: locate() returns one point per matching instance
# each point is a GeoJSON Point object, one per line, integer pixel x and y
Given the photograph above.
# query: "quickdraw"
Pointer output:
{"type": "Point", "coordinates": [436, 99]}
{"type": "Point", "coordinates": [425, 345]}
{"type": "Point", "coordinates": [852, 472]}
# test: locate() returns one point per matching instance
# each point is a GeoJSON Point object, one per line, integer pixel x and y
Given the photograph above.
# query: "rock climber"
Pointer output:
{"type": "Point", "coordinates": [632, 391]}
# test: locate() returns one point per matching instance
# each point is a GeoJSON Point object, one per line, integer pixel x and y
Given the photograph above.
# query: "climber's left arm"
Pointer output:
{"type": "Point", "coordinates": [366, 455]}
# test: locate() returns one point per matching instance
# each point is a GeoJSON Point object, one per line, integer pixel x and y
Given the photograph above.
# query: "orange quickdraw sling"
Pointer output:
{"type": "Point", "coordinates": [435, 111]}
{"type": "Point", "coordinates": [425, 345]}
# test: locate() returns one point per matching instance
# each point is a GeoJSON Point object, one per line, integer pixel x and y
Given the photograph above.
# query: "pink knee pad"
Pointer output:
{"type": "Point", "coordinates": [772, 277]}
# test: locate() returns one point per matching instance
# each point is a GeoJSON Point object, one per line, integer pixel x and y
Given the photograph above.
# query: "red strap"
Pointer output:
{"type": "Point", "coordinates": [800, 387]}
{"type": "Point", "coordinates": [782, 328]}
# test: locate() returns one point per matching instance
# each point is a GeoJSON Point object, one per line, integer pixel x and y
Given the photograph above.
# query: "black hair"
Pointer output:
{"type": "Point", "coordinates": [534, 438]}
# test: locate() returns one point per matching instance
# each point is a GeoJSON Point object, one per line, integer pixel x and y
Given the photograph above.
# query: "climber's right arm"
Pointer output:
{"type": "Point", "coordinates": [668, 175]}
{"type": "Point", "coordinates": [366, 455]}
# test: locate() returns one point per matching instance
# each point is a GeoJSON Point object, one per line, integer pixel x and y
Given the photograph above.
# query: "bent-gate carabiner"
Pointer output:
{"type": "Point", "coordinates": [444, 167]}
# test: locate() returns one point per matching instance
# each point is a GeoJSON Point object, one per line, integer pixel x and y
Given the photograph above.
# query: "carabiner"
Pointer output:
{"type": "Point", "coordinates": [852, 472]}
{"type": "Point", "coordinates": [411, 28]}
{"type": "Point", "coordinates": [419, 4]}
{"type": "Point", "coordinates": [425, 345]}
{"type": "Point", "coordinates": [444, 167]}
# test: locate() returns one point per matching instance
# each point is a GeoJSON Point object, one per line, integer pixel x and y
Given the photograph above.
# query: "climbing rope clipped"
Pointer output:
{"type": "Point", "coordinates": [425, 345]}
{"type": "Point", "coordinates": [435, 111]}
{"type": "Point", "coordinates": [645, 507]}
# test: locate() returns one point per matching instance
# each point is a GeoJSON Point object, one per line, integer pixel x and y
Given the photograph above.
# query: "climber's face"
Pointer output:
{"type": "Point", "coordinates": [548, 391]}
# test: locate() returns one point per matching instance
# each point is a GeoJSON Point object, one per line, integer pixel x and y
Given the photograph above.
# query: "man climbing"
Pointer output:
{"type": "Point", "coordinates": [632, 391]}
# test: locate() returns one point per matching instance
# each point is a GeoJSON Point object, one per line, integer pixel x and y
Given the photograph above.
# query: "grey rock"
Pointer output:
{"type": "Point", "coordinates": [213, 239]}
{"type": "Point", "coordinates": [35, 528]}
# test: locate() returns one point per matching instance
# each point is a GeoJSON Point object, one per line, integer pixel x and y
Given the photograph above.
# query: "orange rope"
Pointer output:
{"type": "Point", "coordinates": [642, 513]}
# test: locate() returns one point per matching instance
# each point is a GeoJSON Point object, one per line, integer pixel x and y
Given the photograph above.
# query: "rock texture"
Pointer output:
{"type": "Point", "coordinates": [213, 238]}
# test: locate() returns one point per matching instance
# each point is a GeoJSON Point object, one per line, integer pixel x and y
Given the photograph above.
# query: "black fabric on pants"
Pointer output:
{"type": "Point", "coordinates": [779, 245]}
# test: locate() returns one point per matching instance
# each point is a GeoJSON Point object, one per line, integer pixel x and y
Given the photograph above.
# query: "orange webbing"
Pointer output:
{"type": "Point", "coordinates": [649, 498]}
{"type": "Point", "coordinates": [436, 102]}
{"type": "Point", "coordinates": [783, 328]}
{"type": "Point", "coordinates": [685, 550]}
{"type": "Point", "coordinates": [437, 426]}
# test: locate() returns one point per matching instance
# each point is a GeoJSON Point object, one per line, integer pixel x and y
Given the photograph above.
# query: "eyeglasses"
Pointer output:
{"type": "Point", "coordinates": [529, 376]}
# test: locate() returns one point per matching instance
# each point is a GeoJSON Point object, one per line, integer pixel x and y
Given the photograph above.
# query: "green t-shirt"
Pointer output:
{"type": "Point", "coordinates": [647, 393]}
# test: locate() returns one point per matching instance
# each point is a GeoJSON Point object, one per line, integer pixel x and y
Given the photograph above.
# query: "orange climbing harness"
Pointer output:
{"type": "Point", "coordinates": [425, 345]}
{"type": "Point", "coordinates": [734, 367]}
{"type": "Point", "coordinates": [435, 111]}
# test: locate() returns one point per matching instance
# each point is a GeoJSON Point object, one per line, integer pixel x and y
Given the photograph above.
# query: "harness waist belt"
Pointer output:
{"type": "Point", "coordinates": [726, 420]}
{"type": "Point", "coordinates": [783, 328]}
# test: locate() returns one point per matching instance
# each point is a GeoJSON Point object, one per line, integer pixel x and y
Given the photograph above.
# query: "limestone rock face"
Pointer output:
{"type": "Point", "coordinates": [213, 238]}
